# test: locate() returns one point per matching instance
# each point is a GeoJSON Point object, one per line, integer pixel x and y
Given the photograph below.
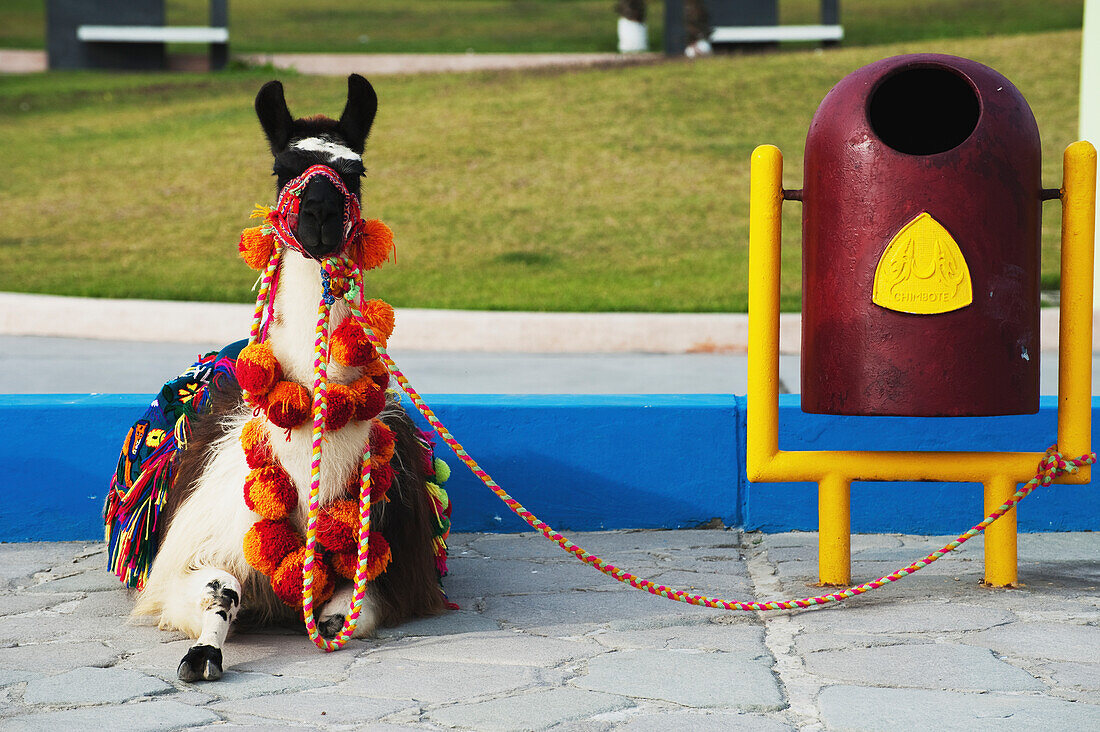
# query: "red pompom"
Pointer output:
{"type": "Point", "coordinates": [341, 406]}
{"type": "Point", "coordinates": [381, 478]}
{"type": "Point", "coordinates": [287, 580]}
{"type": "Point", "coordinates": [378, 558]}
{"type": "Point", "coordinates": [289, 404]}
{"type": "Point", "coordinates": [267, 543]}
{"type": "Point", "coordinates": [382, 443]}
{"type": "Point", "coordinates": [370, 399]}
{"type": "Point", "coordinates": [338, 526]}
{"type": "Point", "coordinates": [349, 345]}
{"type": "Point", "coordinates": [257, 369]}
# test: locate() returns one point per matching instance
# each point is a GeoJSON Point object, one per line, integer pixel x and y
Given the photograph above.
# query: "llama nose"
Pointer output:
{"type": "Point", "coordinates": [321, 219]}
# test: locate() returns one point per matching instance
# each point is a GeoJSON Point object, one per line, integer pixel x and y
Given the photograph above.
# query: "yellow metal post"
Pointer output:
{"type": "Point", "coordinates": [834, 536]}
{"type": "Point", "coordinates": [1000, 537]}
{"type": "Point", "coordinates": [834, 470]}
{"type": "Point", "coordinates": [765, 205]}
{"type": "Point", "coordinates": [1075, 326]}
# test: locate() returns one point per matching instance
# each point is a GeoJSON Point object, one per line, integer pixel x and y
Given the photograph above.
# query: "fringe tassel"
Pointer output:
{"type": "Point", "coordinates": [131, 516]}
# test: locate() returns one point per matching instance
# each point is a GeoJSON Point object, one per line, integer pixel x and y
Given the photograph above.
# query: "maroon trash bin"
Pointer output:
{"type": "Point", "coordinates": [920, 235]}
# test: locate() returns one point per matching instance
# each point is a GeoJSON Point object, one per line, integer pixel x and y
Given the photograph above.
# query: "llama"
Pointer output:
{"type": "Point", "coordinates": [200, 581]}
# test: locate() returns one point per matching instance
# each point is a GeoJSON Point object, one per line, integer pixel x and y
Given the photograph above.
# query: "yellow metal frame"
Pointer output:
{"type": "Point", "coordinates": [834, 471]}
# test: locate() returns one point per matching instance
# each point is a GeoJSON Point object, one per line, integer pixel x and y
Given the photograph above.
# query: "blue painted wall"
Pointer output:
{"type": "Point", "coordinates": [577, 462]}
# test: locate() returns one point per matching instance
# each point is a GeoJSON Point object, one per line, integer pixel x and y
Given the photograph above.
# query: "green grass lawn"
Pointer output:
{"type": "Point", "coordinates": [436, 26]}
{"type": "Point", "coordinates": [607, 189]}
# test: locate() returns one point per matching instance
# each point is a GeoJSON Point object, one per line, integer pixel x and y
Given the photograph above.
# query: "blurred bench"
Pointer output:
{"type": "Point", "coordinates": [126, 34]}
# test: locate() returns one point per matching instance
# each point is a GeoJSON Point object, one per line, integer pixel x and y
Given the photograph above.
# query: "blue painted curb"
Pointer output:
{"type": "Point", "coordinates": [578, 462]}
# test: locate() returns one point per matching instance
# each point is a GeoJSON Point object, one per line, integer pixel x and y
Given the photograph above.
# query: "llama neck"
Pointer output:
{"type": "Point", "coordinates": [293, 332]}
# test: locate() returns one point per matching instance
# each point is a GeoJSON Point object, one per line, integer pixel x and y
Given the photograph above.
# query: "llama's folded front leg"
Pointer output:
{"type": "Point", "coordinates": [218, 600]}
{"type": "Point", "coordinates": [331, 617]}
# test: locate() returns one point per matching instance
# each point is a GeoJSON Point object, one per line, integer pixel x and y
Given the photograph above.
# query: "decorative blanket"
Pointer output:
{"type": "Point", "coordinates": [147, 467]}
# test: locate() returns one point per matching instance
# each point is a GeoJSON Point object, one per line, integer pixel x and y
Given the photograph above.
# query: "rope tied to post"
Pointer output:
{"type": "Point", "coordinates": [1050, 467]}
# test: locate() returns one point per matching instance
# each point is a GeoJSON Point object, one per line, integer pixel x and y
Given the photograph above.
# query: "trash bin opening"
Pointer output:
{"type": "Point", "coordinates": [923, 110]}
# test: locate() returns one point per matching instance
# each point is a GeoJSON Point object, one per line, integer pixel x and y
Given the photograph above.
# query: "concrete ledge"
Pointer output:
{"type": "Point", "coordinates": [577, 462]}
{"type": "Point", "coordinates": [420, 329]}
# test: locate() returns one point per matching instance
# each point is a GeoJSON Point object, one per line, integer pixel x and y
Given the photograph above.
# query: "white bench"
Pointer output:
{"type": "Point", "coordinates": [772, 33]}
{"type": "Point", "coordinates": [151, 34]}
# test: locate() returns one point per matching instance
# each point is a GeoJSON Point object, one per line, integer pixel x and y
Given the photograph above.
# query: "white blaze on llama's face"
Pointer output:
{"type": "Point", "coordinates": [328, 147]}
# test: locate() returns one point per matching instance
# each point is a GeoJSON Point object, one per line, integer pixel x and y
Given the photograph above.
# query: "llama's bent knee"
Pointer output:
{"type": "Point", "coordinates": [219, 600]}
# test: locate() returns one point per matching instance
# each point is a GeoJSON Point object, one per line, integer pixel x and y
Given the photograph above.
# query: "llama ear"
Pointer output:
{"type": "Point", "coordinates": [359, 112]}
{"type": "Point", "coordinates": [274, 116]}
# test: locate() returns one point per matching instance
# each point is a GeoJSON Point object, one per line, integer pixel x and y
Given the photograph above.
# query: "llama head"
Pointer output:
{"type": "Point", "coordinates": [298, 144]}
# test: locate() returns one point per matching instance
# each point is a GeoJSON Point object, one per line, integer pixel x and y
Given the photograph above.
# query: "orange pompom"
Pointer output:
{"type": "Point", "coordinates": [287, 580]}
{"type": "Point", "coordinates": [267, 543]}
{"type": "Point", "coordinates": [288, 404]}
{"type": "Point", "coordinates": [370, 399]}
{"type": "Point", "coordinates": [379, 316]}
{"type": "Point", "coordinates": [269, 492]}
{"type": "Point", "coordinates": [382, 443]}
{"type": "Point", "coordinates": [257, 369]}
{"type": "Point", "coordinates": [257, 446]}
{"type": "Point", "coordinates": [378, 558]}
{"type": "Point", "coordinates": [341, 406]}
{"type": "Point", "coordinates": [349, 345]}
{"type": "Point", "coordinates": [256, 247]}
{"type": "Point", "coordinates": [338, 526]}
{"type": "Point", "coordinates": [373, 245]}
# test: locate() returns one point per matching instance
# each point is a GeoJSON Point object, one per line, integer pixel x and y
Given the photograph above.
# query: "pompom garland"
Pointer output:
{"type": "Point", "coordinates": [289, 404]}
{"type": "Point", "coordinates": [273, 547]}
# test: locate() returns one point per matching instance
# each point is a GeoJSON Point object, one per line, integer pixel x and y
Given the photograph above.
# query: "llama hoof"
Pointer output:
{"type": "Point", "coordinates": [331, 625]}
{"type": "Point", "coordinates": [202, 663]}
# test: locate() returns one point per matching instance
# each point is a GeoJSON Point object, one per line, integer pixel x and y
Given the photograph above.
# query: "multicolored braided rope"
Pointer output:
{"type": "Point", "coordinates": [1052, 465]}
{"type": "Point", "coordinates": [337, 274]}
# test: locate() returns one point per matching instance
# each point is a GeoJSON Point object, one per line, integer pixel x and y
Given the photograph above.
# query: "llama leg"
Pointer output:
{"type": "Point", "coordinates": [331, 618]}
{"type": "Point", "coordinates": [219, 600]}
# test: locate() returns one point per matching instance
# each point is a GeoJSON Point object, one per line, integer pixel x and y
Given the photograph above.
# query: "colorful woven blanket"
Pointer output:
{"type": "Point", "coordinates": [147, 468]}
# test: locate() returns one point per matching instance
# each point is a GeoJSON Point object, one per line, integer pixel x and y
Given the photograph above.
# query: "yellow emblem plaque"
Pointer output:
{"type": "Point", "coordinates": [922, 271]}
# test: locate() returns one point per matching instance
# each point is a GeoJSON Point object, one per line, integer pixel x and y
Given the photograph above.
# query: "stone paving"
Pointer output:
{"type": "Point", "coordinates": [543, 642]}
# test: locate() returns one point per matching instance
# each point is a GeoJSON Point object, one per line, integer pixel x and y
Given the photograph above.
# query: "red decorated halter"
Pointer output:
{"type": "Point", "coordinates": [284, 217]}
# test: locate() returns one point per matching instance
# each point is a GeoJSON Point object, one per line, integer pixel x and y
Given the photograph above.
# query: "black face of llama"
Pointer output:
{"type": "Point", "coordinates": [298, 144]}
{"type": "Point", "coordinates": [211, 528]}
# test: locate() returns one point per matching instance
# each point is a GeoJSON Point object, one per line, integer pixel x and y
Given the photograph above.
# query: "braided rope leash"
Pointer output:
{"type": "Point", "coordinates": [1051, 466]}
{"type": "Point", "coordinates": [336, 275]}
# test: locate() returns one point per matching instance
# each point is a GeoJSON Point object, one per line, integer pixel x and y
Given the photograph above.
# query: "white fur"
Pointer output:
{"type": "Point", "coordinates": [334, 150]}
{"type": "Point", "coordinates": [207, 533]}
